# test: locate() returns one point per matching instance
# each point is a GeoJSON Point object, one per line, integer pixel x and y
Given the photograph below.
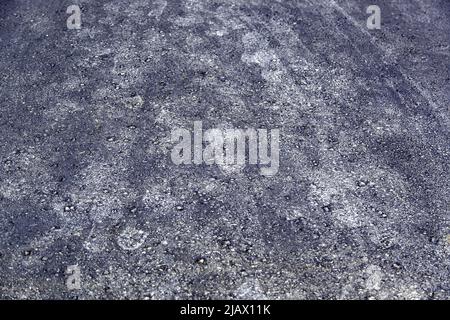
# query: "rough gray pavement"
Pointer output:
{"type": "Point", "coordinates": [359, 209]}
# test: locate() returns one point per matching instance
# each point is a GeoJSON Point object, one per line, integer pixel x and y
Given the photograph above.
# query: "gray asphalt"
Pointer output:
{"type": "Point", "coordinates": [360, 207]}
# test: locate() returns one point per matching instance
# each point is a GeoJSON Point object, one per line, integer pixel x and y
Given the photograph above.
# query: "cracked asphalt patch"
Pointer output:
{"type": "Point", "coordinates": [358, 210]}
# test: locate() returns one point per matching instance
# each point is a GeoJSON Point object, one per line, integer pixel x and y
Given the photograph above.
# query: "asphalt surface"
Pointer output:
{"type": "Point", "coordinates": [360, 206]}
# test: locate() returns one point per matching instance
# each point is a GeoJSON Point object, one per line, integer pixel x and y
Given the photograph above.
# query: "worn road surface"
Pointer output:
{"type": "Point", "coordinates": [360, 206]}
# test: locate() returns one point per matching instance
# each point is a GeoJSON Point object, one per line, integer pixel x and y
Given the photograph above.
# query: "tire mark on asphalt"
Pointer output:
{"type": "Point", "coordinates": [414, 84]}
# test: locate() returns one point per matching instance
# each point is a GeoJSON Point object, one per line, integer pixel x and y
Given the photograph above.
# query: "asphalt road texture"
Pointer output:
{"type": "Point", "coordinates": [359, 208]}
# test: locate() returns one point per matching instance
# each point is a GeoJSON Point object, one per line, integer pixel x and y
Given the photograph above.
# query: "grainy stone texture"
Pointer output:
{"type": "Point", "coordinates": [360, 207]}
